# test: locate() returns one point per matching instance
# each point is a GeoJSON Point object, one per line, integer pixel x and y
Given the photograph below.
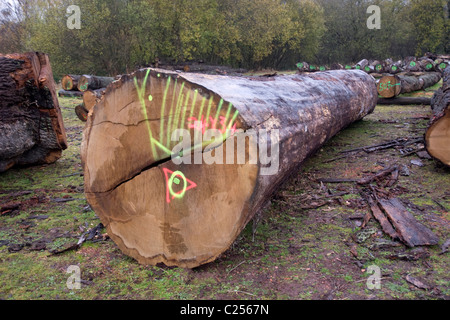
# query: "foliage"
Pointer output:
{"type": "Point", "coordinates": [118, 36]}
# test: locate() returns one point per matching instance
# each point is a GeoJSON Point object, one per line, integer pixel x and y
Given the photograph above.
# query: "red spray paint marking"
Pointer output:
{"type": "Point", "coordinates": [172, 177]}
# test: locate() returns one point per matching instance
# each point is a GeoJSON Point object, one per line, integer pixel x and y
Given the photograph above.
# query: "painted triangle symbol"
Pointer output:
{"type": "Point", "coordinates": [176, 178]}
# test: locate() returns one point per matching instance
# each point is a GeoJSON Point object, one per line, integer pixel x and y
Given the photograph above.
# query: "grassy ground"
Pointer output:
{"type": "Point", "coordinates": [295, 253]}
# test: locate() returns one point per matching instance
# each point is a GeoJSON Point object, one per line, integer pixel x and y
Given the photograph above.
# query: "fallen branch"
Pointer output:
{"type": "Point", "coordinates": [86, 236]}
{"type": "Point", "coordinates": [400, 142]}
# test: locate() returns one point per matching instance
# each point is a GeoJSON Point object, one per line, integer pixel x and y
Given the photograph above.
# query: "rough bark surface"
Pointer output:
{"type": "Point", "coordinates": [31, 124]}
{"type": "Point", "coordinates": [159, 210]}
{"type": "Point", "coordinates": [87, 82]}
{"type": "Point", "coordinates": [437, 136]}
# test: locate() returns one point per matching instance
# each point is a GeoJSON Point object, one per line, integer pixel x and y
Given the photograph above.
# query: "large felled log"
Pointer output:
{"type": "Point", "coordinates": [92, 97]}
{"type": "Point", "coordinates": [185, 205]}
{"type": "Point", "coordinates": [392, 85]}
{"type": "Point", "coordinates": [405, 101]}
{"type": "Point", "coordinates": [70, 82]}
{"type": "Point", "coordinates": [437, 137]}
{"type": "Point", "coordinates": [31, 124]}
{"type": "Point", "coordinates": [93, 82]}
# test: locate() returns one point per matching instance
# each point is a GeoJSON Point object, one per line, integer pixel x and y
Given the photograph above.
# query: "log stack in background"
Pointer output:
{"type": "Point", "coordinates": [31, 124]}
{"type": "Point", "coordinates": [428, 63]}
{"type": "Point", "coordinates": [88, 87]}
{"type": "Point", "coordinates": [158, 210]}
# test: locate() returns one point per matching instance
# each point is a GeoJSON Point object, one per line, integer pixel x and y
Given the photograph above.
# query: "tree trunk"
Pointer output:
{"type": "Point", "coordinates": [93, 82]}
{"type": "Point", "coordinates": [92, 97]}
{"type": "Point", "coordinates": [392, 85]}
{"type": "Point", "coordinates": [70, 94]}
{"type": "Point", "coordinates": [81, 112]}
{"type": "Point", "coordinates": [437, 136]}
{"type": "Point", "coordinates": [302, 67]}
{"type": "Point", "coordinates": [31, 124]}
{"type": "Point", "coordinates": [395, 68]}
{"type": "Point", "coordinates": [427, 65]}
{"type": "Point", "coordinates": [405, 101]}
{"type": "Point", "coordinates": [441, 64]}
{"type": "Point", "coordinates": [378, 66]}
{"type": "Point", "coordinates": [361, 65]}
{"type": "Point", "coordinates": [70, 82]}
{"type": "Point", "coordinates": [185, 205]}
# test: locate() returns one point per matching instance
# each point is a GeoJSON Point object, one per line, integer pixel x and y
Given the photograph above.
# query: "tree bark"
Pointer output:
{"type": "Point", "coordinates": [81, 112]}
{"type": "Point", "coordinates": [392, 85]}
{"type": "Point", "coordinates": [31, 124]}
{"type": "Point", "coordinates": [92, 97]}
{"type": "Point", "coordinates": [70, 82]}
{"type": "Point", "coordinates": [405, 101]}
{"type": "Point", "coordinates": [93, 82]}
{"type": "Point", "coordinates": [437, 136]}
{"type": "Point", "coordinates": [156, 206]}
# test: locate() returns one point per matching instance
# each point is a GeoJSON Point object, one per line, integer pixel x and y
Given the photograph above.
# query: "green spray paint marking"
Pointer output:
{"type": "Point", "coordinates": [394, 68]}
{"type": "Point", "coordinates": [412, 63]}
{"type": "Point", "coordinates": [177, 110]}
{"type": "Point", "coordinates": [171, 110]}
{"type": "Point", "coordinates": [322, 68]}
{"type": "Point", "coordinates": [299, 65]}
{"type": "Point", "coordinates": [161, 129]}
{"type": "Point", "coordinates": [443, 65]}
{"type": "Point", "coordinates": [141, 96]}
{"type": "Point", "coordinates": [367, 69]}
{"type": "Point", "coordinates": [185, 109]}
{"type": "Point", "coordinates": [196, 133]}
{"type": "Point", "coordinates": [216, 118]}
{"type": "Point", "coordinates": [172, 178]}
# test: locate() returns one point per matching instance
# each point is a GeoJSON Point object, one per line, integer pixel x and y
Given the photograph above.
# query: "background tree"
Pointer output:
{"type": "Point", "coordinates": [118, 36]}
{"type": "Point", "coordinates": [430, 24]}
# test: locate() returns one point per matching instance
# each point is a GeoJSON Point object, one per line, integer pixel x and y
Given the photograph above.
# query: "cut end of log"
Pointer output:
{"type": "Point", "coordinates": [437, 138]}
{"type": "Point", "coordinates": [389, 86]}
{"type": "Point", "coordinates": [70, 82]}
{"type": "Point", "coordinates": [189, 194]}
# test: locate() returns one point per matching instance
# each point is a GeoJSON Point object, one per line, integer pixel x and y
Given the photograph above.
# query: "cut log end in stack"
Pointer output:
{"type": "Point", "coordinates": [437, 137]}
{"type": "Point", "coordinates": [31, 124]}
{"type": "Point", "coordinates": [185, 202]}
{"type": "Point", "coordinates": [390, 86]}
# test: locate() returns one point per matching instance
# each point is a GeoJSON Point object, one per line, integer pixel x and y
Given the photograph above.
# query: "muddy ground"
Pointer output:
{"type": "Point", "coordinates": [308, 243]}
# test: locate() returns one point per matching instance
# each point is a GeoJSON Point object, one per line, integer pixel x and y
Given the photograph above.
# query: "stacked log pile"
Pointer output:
{"type": "Point", "coordinates": [88, 87]}
{"type": "Point", "coordinates": [427, 63]}
{"type": "Point", "coordinates": [31, 125]}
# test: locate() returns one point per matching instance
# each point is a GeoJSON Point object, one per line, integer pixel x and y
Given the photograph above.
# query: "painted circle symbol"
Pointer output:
{"type": "Point", "coordinates": [181, 193]}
